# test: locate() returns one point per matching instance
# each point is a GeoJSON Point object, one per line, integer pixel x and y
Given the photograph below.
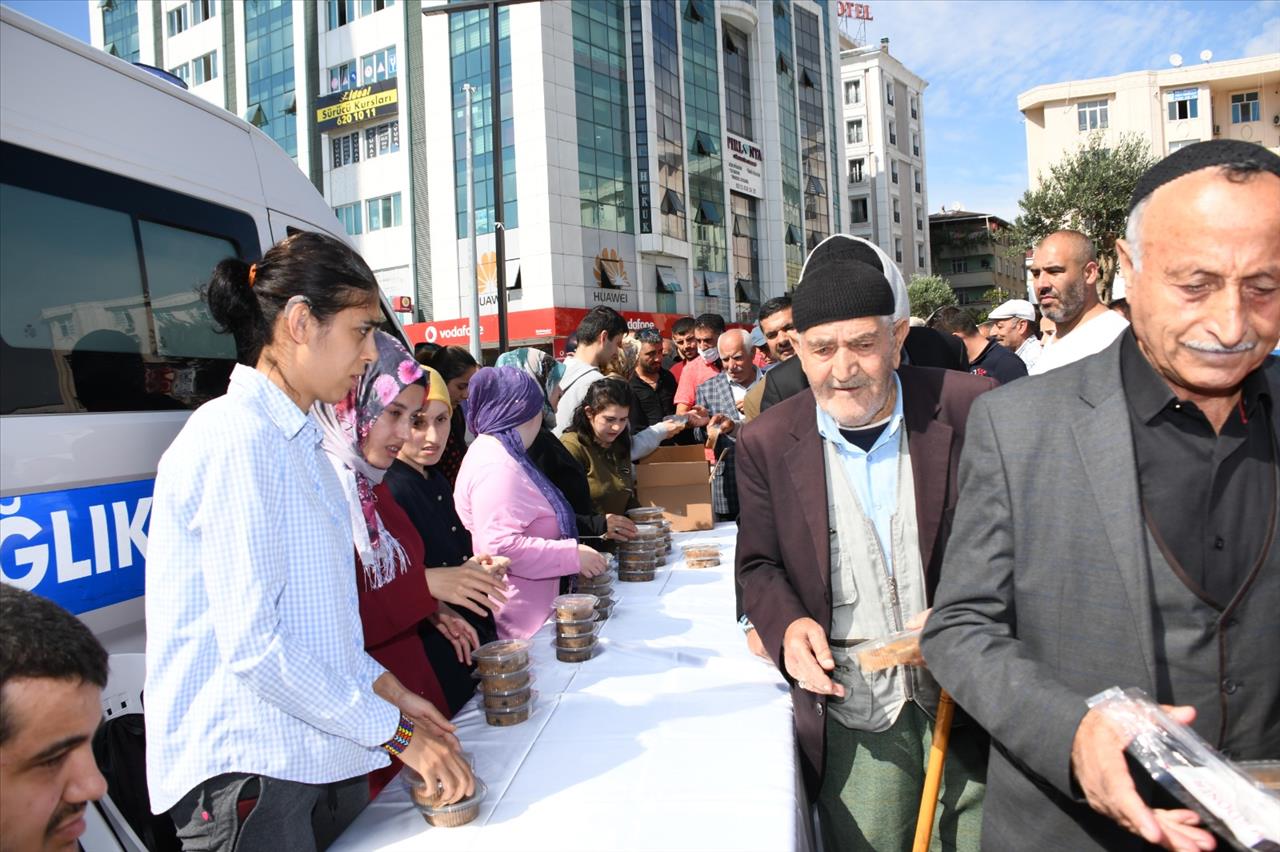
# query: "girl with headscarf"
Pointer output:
{"type": "Point", "coordinates": [456, 366]}
{"type": "Point", "coordinates": [473, 584]}
{"type": "Point", "coordinates": [510, 506]}
{"type": "Point", "coordinates": [362, 433]}
{"type": "Point", "coordinates": [545, 370]}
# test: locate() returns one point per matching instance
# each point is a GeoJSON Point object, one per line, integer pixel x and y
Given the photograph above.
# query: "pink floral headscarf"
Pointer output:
{"type": "Point", "coordinates": [346, 426]}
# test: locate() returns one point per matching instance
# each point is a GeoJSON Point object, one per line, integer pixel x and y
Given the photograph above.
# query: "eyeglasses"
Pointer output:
{"type": "Point", "coordinates": [649, 335]}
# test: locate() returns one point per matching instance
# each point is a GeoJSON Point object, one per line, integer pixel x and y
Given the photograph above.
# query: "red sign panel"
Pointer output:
{"type": "Point", "coordinates": [859, 11]}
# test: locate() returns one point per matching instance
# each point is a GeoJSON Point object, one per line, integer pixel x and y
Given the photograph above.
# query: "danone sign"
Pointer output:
{"type": "Point", "coordinates": [355, 106]}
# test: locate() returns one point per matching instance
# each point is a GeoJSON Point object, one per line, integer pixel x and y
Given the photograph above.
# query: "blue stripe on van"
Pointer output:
{"type": "Point", "coordinates": [84, 548]}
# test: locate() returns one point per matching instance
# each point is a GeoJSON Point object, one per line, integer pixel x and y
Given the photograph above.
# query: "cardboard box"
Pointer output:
{"type": "Point", "coordinates": [679, 480]}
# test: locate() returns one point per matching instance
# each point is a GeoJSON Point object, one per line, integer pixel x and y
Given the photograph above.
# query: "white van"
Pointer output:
{"type": "Point", "coordinates": [118, 194]}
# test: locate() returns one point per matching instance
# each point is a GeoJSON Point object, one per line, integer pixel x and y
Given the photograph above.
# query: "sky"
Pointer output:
{"type": "Point", "coordinates": [978, 55]}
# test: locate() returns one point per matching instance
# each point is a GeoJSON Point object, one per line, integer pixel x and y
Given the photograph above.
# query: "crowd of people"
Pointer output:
{"type": "Point", "coordinates": [1058, 512]}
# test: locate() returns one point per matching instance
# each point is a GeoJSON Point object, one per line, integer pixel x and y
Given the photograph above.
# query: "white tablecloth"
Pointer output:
{"type": "Point", "coordinates": [672, 737]}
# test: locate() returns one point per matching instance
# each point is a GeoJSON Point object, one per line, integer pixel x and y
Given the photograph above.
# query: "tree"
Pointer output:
{"type": "Point", "coordinates": [927, 293]}
{"type": "Point", "coordinates": [1087, 190]}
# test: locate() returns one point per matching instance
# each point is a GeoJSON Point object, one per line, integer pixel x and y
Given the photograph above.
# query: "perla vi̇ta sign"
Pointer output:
{"type": "Point", "coordinates": [744, 166]}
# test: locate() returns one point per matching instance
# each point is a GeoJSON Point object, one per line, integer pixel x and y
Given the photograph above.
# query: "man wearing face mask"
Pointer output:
{"type": "Point", "coordinates": [846, 490]}
{"type": "Point", "coordinates": [1065, 271]}
{"type": "Point", "coordinates": [706, 330]}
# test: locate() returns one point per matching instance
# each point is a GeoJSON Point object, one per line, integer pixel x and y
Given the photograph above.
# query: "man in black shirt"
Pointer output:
{"type": "Point", "coordinates": [653, 388]}
{"type": "Point", "coordinates": [986, 357]}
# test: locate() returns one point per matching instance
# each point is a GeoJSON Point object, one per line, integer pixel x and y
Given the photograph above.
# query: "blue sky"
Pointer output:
{"type": "Point", "coordinates": [979, 54]}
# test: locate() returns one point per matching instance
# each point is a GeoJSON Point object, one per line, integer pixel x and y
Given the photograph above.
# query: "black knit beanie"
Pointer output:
{"type": "Point", "coordinates": [838, 284]}
{"type": "Point", "coordinates": [1203, 155]}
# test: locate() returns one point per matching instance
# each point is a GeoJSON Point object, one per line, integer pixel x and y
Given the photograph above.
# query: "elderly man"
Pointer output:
{"type": "Point", "coordinates": [1064, 270]}
{"type": "Point", "coordinates": [722, 398]}
{"type": "Point", "coordinates": [52, 671]}
{"type": "Point", "coordinates": [1013, 327]}
{"type": "Point", "coordinates": [846, 491]}
{"type": "Point", "coordinates": [1143, 550]}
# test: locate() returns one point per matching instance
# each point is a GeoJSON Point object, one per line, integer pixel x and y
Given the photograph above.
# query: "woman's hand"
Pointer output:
{"type": "Point", "coordinates": [494, 566]}
{"type": "Point", "coordinates": [591, 562]}
{"type": "Point", "coordinates": [455, 628]}
{"type": "Point", "coordinates": [619, 528]}
{"type": "Point", "coordinates": [470, 585]}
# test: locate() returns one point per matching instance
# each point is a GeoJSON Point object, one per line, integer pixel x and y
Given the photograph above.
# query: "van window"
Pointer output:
{"type": "Point", "coordinates": [100, 307]}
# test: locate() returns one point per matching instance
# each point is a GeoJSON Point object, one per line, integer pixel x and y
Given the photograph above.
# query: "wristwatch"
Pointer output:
{"type": "Point", "coordinates": [745, 624]}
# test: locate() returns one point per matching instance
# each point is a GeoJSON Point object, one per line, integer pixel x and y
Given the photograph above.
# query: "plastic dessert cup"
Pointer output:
{"type": "Point", "coordinates": [502, 657]}
{"type": "Point", "coordinates": [578, 627]}
{"type": "Point", "coordinates": [575, 655]}
{"type": "Point", "coordinates": [573, 607]}
{"type": "Point", "coordinates": [506, 700]}
{"type": "Point", "coordinates": [647, 533]}
{"type": "Point", "coordinates": [505, 682]}
{"type": "Point", "coordinates": [638, 576]}
{"type": "Point", "coordinates": [646, 514]}
{"type": "Point", "coordinates": [507, 716]}
{"type": "Point", "coordinates": [702, 562]}
{"type": "Point", "coordinates": [459, 813]}
{"type": "Point", "coordinates": [896, 649]}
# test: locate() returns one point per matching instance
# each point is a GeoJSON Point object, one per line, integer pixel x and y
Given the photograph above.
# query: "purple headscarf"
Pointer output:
{"type": "Point", "coordinates": [500, 399]}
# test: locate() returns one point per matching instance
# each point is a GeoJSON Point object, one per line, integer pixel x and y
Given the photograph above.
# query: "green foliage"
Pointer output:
{"type": "Point", "coordinates": [1087, 190]}
{"type": "Point", "coordinates": [993, 297]}
{"type": "Point", "coordinates": [927, 293]}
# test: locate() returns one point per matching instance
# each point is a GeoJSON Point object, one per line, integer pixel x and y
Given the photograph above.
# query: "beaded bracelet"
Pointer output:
{"type": "Point", "coordinates": [398, 743]}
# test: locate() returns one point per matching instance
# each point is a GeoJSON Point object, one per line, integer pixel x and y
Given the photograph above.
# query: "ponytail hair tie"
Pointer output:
{"type": "Point", "coordinates": [253, 273]}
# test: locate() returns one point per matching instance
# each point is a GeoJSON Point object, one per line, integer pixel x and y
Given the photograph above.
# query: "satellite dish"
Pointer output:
{"type": "Point", "coordinates": [1175, 59]}
{"type": "Point", "coordinates": [1206, 55]}
{"type": "Point", "coordinates": [956, 205]}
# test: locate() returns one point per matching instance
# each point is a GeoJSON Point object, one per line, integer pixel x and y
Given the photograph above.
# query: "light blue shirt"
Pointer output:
{"type": "Point", "coordinates": [873, 475]}
{"type": "Point", "coordinates": [255, 652]}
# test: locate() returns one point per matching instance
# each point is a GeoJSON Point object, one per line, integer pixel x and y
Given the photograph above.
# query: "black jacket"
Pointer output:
{"type": "Point", "coordinates": [565, 473]}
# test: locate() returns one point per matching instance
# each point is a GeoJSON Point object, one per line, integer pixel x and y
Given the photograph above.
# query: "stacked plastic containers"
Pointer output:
{"type": "Point", "coordinates": [602, 587]}
{"type": "Point", "coordinates": [505, 681]}
{"type": "Point", "coordinates": [576, 627]}
{"type": "Point", "coordinates": [639, 558]}
{"type": "Point", "coordinates": [431, 805]}
{"type": "Point", "coordinates": [701, 554]}
{"type": "Point", "coordinates": [655, 515]}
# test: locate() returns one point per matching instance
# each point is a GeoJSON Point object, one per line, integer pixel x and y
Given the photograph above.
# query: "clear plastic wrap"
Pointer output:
{"type": "Point", "coordinates": [1229, 801]}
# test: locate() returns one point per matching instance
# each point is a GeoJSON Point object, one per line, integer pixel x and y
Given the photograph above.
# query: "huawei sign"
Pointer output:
{"type": "Point", "coordinates": [487, 272]}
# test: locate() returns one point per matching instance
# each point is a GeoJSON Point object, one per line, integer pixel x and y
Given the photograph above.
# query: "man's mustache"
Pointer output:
{"type": "Point", "coordinates": [1218, 348]}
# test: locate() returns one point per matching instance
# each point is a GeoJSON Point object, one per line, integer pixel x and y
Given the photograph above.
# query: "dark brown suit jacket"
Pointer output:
{"type": "Point", "coordinates": [784, 551]}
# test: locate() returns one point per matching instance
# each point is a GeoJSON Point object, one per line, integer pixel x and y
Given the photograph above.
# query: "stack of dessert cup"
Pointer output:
{"type": "Point", "coordinates": [430, 801]}
{"type": "Point", "coordinates": [505, 681]}
{"type": "Point", "coordinates": [602, 587]}
{"type": "Point", "coordinates": [638, 559]}
{"type": "Point", "coordinates": [576, 627]}
{"type": "Point", "coordinates": [701, 554]}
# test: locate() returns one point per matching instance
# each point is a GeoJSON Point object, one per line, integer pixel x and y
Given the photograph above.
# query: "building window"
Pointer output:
{"type": "Point", "coordinates": [342, 76]}
{"type": "Point", "coordinates": [897, 249]}
{"type": "Point", "coordinates": [1181, 143]}
{"type": "Point", "coordinates": [915, 172]}
{"type": "Point", "coordinates": [204, 68]}
{"type": "Point", "coordinates": [915, 144]}
{"type": "Point", "coordinates": [919, 218]}
{"type": "Point", "coordinates": [1091, 115]}
{"type": "Point", "coordinates": [177, 19]}
{"type": "Point", "coordinates": [853, 132]}
{"type": "Point", "coordinates": [893, 132]}
{"type": "Point", "coordinates": [202, 10]}
{"type": "Point", "coordinates": [120, 29]}
{"type": "Point", "coordinates": [914, 100]}
{"type": "Point", "coordinates": [709, 241]}
{"type": "Point", "coordinates": [856, 170]}
{"type": "Point", "coordinates": [383, 212]}
{"type": "Point", "coordinates": [469, 60]}
{"type": "Point", "coordinates": [792, 197]}
{"type": "Point", "coordinates": [268, 32]}
{"type": "Point", "coordinates": [349, 216]}
{"type": "Point", "coordinates": [639, 105]}
{"type": "Point", "coordinates": [813, 126]}
{"type": "Point", "coordinates": [888, 92]}
{"type": "Point", "coordinates": [897, 212]}
{"type": "Point", "coordinates": [858, 211]}
{"type": "Point", "coordinates": [382, 139]}
{"type": "Point", "coordinates": [746, 254]}
{"type": "Point", "coordinates": [604, 144]}
{"type": "Point", "coordinates": [346, 149]}
{"type": "Point", "coordinates": [182, 72]}
{"type": "Point", "coordinates": [737, 82]}
{"type": "Point", "coordinates": [343, 12]}
{"type": "Point", "coordinates": [853, 91]}
{"type": "Point", "coordinates": [920, 256]}
{"type": "Point", "coordinates": [893, 170]}
{"type": "Point", "coordinates": [959, 265]}
{"type": "Point", "coordinates": [668, 116]}
{"type": "Point", "coordinates": [1183, 104]}
{"type": "Point", "coordinates": [1244, 107]}
{"type": "Point", "coordinates": [379, 65]}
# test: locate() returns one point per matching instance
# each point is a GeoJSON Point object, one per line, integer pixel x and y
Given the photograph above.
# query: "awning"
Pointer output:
{"type": "Point", "coordinates": [667, 280]}
{"type": "Point", "coordinates": [714, 284]}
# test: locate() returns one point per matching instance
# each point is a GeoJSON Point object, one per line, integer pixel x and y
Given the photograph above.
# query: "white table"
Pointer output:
{"type": "Point", "coordinates": [674, 736]}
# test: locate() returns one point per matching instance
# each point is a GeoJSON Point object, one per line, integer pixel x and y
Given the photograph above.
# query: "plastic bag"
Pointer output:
{"type": "Point", "coordinates": [1227, 799]}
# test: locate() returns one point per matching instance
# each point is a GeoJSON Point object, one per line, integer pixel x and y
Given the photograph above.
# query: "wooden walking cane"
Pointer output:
{"type": "Point", "coordinates": [933, 777]}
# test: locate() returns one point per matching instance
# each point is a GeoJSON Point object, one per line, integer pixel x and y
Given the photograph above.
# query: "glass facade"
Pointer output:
{"type": "Point", "coordinates": [268, 46]}
{"type": "Point", "coordinates": [702, 138]}
{"type": "Point", "coordinates": [746, 256]}
{"type": "Point", "coordinates": [737, 82]}
{"type": "Point", "coordinates": [644, 200]}
{"type": "Point", "coordinates": [604, 144]}
{"type": "Point", "coordinates": [813, 142]}
{"type": "Point", "coordinates": [833, 157]}
{"type": "Point", "coordinates": [120, 29]}
{"type": "Point", "coordinates": [670, 126]}
{"type": "Point", "coordinates": [791, 191]}
{"type": "Point", "coordinates": [469, 57]}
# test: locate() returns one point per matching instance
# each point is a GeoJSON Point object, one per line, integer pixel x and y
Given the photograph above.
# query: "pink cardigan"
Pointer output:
{"type": "Point", "coordinates": [508, 516]}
